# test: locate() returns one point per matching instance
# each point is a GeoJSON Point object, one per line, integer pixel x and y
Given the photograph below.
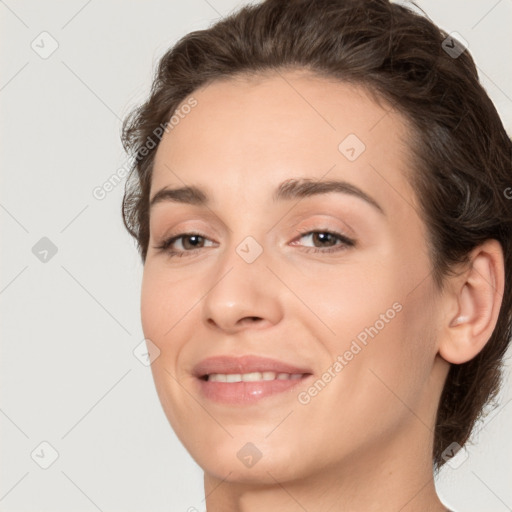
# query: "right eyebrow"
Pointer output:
{"type": "Point", "coordinates": [185, 195]}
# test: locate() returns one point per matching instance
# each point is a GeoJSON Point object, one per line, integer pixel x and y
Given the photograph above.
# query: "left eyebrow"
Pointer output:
{"type": "Point", "coordinates": [299, 188]}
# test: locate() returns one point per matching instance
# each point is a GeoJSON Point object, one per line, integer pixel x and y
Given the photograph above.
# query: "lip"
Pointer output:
{"type": "Point", "coordinates": [245, 364]}
{"type": "Point", "coordinates": [245, 393]}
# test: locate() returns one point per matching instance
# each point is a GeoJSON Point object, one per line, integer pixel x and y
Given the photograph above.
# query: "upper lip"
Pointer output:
{"type": "Point", "coordinates": [244, 364]}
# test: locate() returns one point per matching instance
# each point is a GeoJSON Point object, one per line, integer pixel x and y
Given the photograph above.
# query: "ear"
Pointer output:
{"type": "Point", "coordinates": [474, 299]}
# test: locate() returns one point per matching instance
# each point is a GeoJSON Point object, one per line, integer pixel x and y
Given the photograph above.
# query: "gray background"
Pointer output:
{"type": "Point", "coordinates": [70, 324]}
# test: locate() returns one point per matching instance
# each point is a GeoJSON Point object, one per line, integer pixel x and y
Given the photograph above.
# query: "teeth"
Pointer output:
{"type": "Point", "coordinates": [252, 377]}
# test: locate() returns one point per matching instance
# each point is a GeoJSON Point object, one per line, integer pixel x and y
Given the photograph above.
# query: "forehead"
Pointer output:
{"type": "Point", "coordinates": [246, 135]}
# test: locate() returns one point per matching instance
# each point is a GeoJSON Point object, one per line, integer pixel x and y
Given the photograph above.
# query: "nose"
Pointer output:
{"type": "Point", "coordinates": [242, 295]}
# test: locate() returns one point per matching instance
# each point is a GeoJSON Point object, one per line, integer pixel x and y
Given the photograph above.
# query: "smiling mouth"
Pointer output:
{"type": "Point", "coordinates": [252, 376]}
{"type": "Point", "coordinates": [243, 380]}
{"type": "Point", "coordinates": [245, 389]}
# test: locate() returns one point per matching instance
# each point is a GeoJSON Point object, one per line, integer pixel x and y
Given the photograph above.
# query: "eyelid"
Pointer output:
{"type": "Point", "coordinates": [335, 231]}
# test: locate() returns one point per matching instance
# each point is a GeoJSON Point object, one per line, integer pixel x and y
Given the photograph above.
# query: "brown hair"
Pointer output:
{"type": "Point", "coordinates": [462, 152]}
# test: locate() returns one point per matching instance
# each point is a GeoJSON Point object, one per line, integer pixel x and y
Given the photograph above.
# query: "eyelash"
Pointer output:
{"type": "Point", "coordinates": [345, 242]}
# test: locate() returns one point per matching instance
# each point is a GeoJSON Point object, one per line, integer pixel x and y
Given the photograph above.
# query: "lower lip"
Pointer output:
{"type": "Point", "coordinates": [243, 393]}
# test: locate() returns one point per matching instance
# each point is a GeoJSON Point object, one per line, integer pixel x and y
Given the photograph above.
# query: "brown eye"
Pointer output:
{"type": "Point", "coordinates": [192, 241]}
{"type": "Point", "coordinates": [184, 243]}
{"type": "Point", "coordinates": [324, 239]}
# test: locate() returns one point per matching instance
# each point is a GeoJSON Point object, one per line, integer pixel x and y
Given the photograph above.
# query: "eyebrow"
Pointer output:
{"type": "Point", "coordinates": [290, 189]}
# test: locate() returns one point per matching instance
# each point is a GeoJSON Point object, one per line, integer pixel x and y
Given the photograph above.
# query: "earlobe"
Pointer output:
{"type": "Point", "coordinates": [476, 299]}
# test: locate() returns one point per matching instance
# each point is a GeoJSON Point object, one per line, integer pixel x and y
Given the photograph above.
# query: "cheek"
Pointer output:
{"type": "Point", "coordinates": [380, 320]}
{"type": "Point", "coordinates": [398, 349]}
{"type": "Point", "coordinates": [385, 366]}
{"type": "Point", "coordinates": [349, 299]}
{"type": "Point", "coordinates": [152, 305]}
{"type": "Point", "coordinates": [162, 303]}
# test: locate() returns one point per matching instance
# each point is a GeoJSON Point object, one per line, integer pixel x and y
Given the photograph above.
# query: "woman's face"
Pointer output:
{"type": "Point", "coordinates": [332, 282]}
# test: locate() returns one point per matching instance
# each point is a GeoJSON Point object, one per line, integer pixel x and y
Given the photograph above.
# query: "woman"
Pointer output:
{"type": "Point", "coordinates": [319, 198]}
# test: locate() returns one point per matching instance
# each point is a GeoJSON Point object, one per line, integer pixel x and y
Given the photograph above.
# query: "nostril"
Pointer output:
{"type": "Point", "coordinates": [252, 319]}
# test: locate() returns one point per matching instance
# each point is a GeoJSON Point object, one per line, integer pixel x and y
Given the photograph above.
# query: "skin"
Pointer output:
{"type": "Point", "coordinates": [364, 442]}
